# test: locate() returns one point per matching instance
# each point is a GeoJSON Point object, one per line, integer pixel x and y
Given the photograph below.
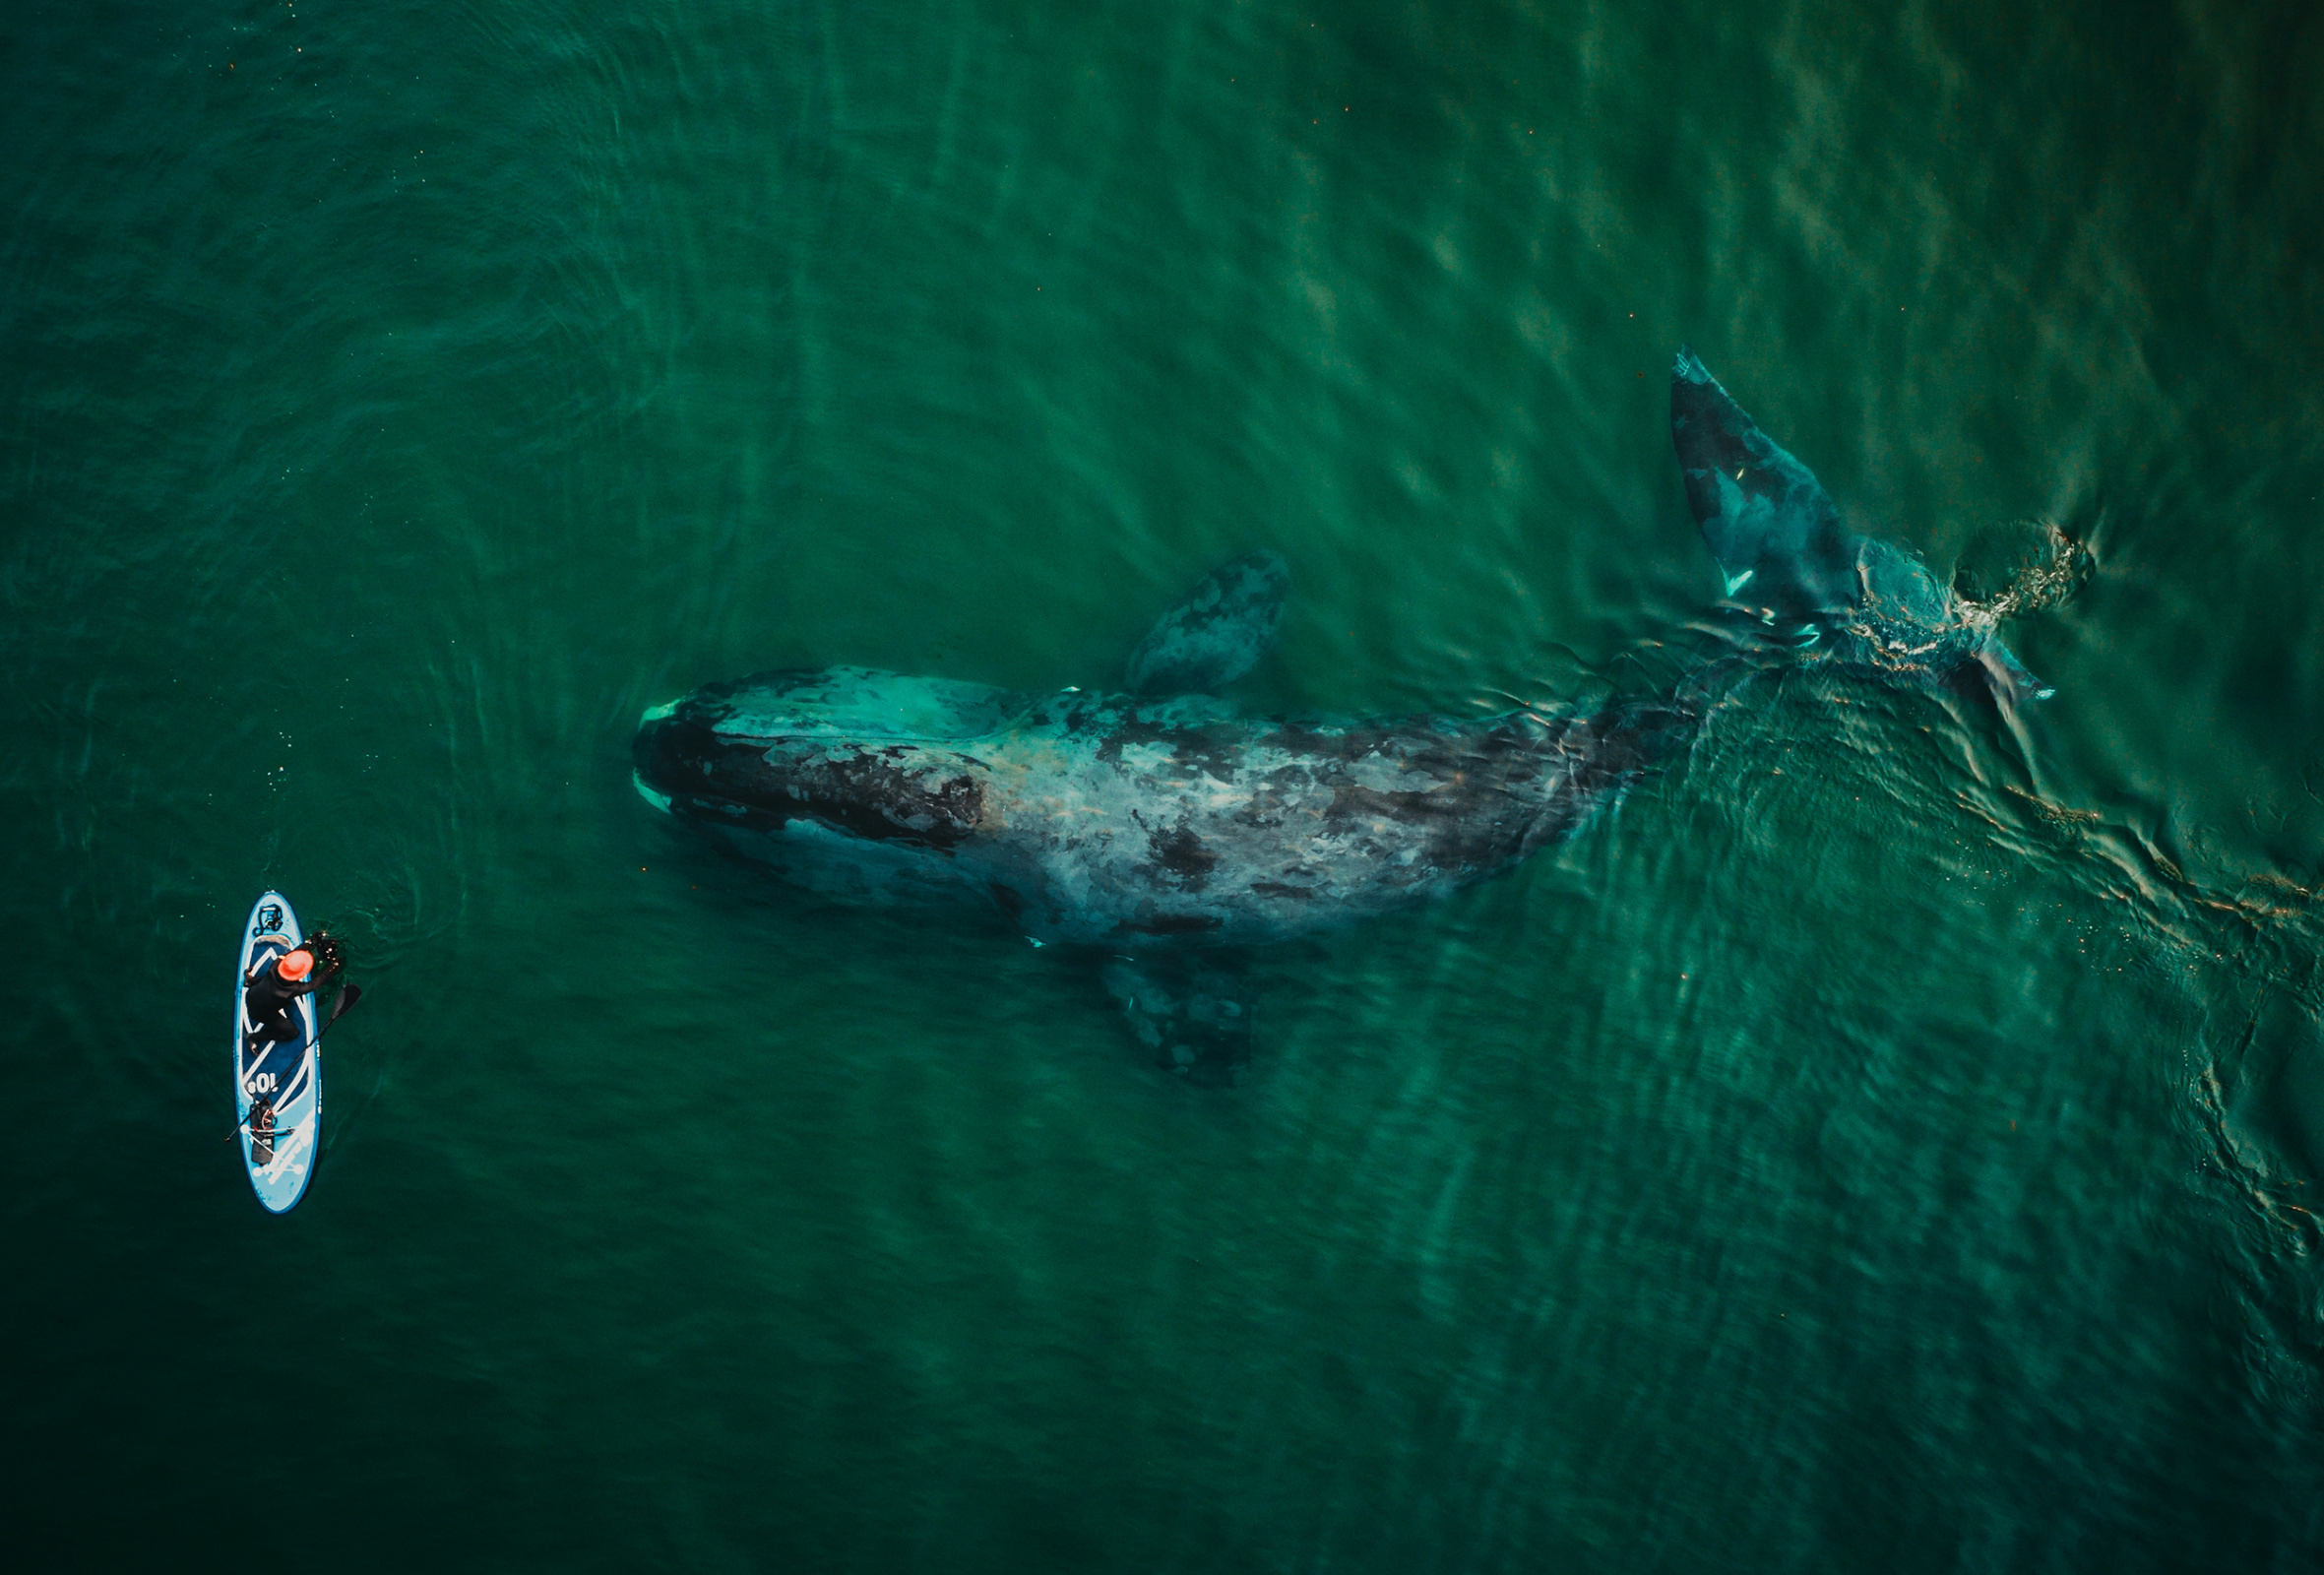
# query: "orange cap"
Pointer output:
{"type": "Point", "coordinates": [295, 965]}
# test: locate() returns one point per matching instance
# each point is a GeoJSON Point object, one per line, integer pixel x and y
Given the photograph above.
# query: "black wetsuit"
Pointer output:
{"type": "Point", "coordinates": [267, 1003]}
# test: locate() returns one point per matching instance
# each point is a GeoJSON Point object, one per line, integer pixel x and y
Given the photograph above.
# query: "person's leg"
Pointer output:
{"type": "Point", "coordinates": [280, 1028]}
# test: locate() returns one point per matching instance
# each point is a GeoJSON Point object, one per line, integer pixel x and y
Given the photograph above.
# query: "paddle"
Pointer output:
{"type": "Point", "coordinates": [345, 1003]}
{"type": "Point", "coordinates": [349, 995]}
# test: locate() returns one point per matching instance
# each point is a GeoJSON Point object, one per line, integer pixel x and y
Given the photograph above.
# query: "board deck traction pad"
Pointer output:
{"type": "Point", "coordinates": [291, 1070]}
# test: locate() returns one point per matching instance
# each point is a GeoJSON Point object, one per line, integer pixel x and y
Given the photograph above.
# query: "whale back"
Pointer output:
{"type": "Point", "coordinates": [846, 702]}
{"type": "Point", "coordinates": [1111, 820]}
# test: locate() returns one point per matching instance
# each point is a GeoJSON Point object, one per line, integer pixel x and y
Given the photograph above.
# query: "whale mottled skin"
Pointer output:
{"type": "Point", "coordinates": [1777, 536]}
{"type": "Point", "coordinates": [1117, 821]}
{"type": "Point", "coordinates": [1169, 829]}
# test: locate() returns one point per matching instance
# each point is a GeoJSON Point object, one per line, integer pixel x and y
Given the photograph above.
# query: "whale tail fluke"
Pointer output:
{"type": "Point", "coordinates": [1786, 556]}
{"type": "Point", "coordinates": [1776, 533]}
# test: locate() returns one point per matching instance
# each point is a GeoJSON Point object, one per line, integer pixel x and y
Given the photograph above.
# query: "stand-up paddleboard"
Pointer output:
{"type": "Point", "coordinates": [278, 1086]}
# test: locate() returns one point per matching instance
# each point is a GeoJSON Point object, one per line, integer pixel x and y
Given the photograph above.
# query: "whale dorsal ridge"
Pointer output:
{"type": "Point", "coordinates": [1216, 632]}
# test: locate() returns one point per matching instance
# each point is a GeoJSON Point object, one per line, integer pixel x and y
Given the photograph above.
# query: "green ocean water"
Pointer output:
{"type": "Point", "coordinates": [1889, 1142]}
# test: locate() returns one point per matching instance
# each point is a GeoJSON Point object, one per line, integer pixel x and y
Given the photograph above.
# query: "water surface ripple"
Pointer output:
{"type": "Point", "coordinates": [1890, 1142]}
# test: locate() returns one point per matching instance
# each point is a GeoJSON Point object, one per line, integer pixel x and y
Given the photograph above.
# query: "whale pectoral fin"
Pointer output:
{"type": "Point", "coordinates": [1192, 1012]}
{"type": "Point", "coordinates": [1216, 632]}
{"type": "Point", "coordinates": [1764, 515]}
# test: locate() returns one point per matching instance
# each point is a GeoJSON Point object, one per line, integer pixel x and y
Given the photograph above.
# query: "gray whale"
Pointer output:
{"type": "Point", "coordinates": [1109, 820]}
{"type": "Point", "coordinates": [1872, 606]}
{"type": "Point", "coordinates": [1158, 826]}
{"type": "Point", "coordinates": [1138, 824]}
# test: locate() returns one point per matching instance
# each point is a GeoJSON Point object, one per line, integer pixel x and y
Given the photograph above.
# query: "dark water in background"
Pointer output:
{"type": "Point", "coordinates": [1887, 1143]}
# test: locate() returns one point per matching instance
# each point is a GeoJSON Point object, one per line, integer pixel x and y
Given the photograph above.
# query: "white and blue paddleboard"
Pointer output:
{"type": "Point", "coordinates": [287, 1072]}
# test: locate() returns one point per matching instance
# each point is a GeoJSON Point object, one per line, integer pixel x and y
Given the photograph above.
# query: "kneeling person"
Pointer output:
{"type": "Point", "coordinates": [267, 993]}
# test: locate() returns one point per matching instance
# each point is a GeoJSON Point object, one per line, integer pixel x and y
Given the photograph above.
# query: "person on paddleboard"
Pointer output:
{"type": "Point", "coordinates": [268, 990]}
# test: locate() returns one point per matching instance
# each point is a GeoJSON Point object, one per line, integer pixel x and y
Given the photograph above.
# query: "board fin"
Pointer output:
{"type": "Point", "coordinates": [1216, 632]}
{"type": "Point", "coordinates": [1192, 1011]}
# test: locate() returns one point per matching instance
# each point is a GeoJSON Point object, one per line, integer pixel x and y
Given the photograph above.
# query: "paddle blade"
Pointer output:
{"type": "Point", "coordinates": [345, 1003]}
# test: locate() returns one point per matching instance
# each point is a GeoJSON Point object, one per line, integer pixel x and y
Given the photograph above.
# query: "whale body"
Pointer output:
{"type": "Point", "coordinates": [1165, 831]}
{"type": "Point", "coordinates": [1118, 821]}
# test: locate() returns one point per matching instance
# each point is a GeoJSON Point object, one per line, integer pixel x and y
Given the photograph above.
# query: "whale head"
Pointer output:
{"type": "Point", "coordinates": [839, 763]}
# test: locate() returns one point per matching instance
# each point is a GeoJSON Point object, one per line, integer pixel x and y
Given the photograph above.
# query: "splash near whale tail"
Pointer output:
{"type": "Point", "coordinates": [1787, 557]}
